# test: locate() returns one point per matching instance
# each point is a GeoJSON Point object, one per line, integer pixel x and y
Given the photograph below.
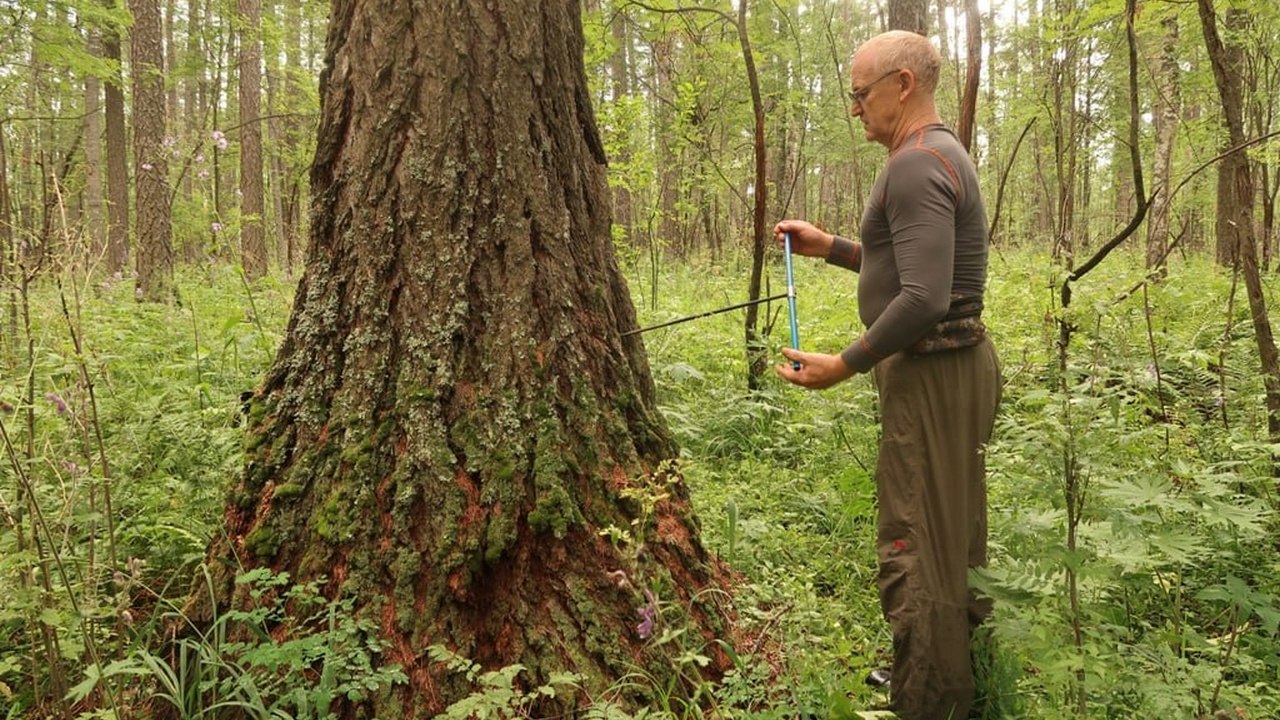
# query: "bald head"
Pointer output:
{"type": "Point", "coordinates": [898, 49]}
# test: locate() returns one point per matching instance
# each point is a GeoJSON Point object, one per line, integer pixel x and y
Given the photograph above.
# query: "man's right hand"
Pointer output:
{"type": "Point", "coordinates": [805, 238]}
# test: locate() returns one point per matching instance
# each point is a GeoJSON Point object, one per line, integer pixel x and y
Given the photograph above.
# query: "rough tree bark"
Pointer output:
{"type": "Point", "coordinates": [253, 241]}
{"type": "Point", "coordinates": [154, 231]}
{"type": "Point", "coordinates": [453, 417]}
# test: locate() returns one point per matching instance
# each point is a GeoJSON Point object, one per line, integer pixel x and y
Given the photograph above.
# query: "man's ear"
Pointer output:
{"type": "Point", "coordinates": [907, 83]}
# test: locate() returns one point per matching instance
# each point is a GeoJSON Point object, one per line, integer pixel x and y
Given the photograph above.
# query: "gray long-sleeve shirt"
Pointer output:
{"type": "Point", "coordinates": [923, 245]}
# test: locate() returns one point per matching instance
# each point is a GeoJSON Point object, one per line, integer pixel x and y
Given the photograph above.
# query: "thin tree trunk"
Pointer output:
{"type": "Point", "coordinates": [33, 171]}
{"type": "Point", "coordinates": [277, 172]}
{"type": "Point", "coordinates": [973, 73]}
{"type": "Point", "coordinates": [1067, 138]}
{"type": "Point", "coordinates": [253, 242]}
{"type": "Point", "coordinates": [94, 221]}
{"type": "Point", "coordinates": [757, 356]}
{"type": "Point", "coordinates": [173, 109]}
{"type": "Point", "coordinates": [669, 172]}
{"type": "Point", "coordinates": [619, 75]}
{"type": "Point", "coordinates": [297, 131]}
{"type": "Point", "coordinates": [1169, 106]}
{"type": "Point", "coordinates": [193, 81]}
{"type": "Point", "coordinates": [117, 257]}
{"type": "Point", "coordinates": [8, 257]}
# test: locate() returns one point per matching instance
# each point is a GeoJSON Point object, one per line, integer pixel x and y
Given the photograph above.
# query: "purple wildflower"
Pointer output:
{"type": "Point", "coordinates": [147, 166]}
{"type": "Point", "coordinates": [648, 615]}
{"type": "Point", "coordinates": [219, 140]}
{"type": "Point", "coordinates": [216, 227]}
{"type": "Point", "coordinates": [58, 403]}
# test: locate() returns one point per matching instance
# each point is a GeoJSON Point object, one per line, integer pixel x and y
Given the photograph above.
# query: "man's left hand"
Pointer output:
{"type": "Point", "coordinates": [817, 371]}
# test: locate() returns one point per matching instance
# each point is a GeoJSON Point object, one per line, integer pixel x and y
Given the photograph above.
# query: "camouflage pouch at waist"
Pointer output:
{"type": "Point", "coordinates": [961, 328]}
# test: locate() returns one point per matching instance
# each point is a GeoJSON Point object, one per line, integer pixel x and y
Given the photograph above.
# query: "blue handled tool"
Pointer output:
{"type": "Point", "coordinates": [791, 298]}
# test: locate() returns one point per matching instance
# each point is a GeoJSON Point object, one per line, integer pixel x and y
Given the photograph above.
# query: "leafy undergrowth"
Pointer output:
{"type": "Point", "coordinates": [1163, 421]}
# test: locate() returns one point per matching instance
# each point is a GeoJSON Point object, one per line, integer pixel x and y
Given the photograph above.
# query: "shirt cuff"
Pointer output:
{"type": "Point", "coordinates": [859, 356]}
{"type": "Point", "coordinates": [845, 253]}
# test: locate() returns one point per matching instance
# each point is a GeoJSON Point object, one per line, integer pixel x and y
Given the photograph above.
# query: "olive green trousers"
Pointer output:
{"type": "Point", "coordinates": [937, 413]}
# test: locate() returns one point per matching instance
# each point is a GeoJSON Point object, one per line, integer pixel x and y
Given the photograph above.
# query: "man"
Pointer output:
{"type": "Point", "coordinates": [922, 261]}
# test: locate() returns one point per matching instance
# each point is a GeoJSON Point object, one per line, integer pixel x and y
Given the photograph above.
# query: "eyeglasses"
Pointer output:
{"type": "Point", "coordinates": [861, 93]}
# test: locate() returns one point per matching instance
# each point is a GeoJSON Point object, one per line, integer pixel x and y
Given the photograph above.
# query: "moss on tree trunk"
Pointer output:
{"type": "Point", "coordinates": [454, 431]}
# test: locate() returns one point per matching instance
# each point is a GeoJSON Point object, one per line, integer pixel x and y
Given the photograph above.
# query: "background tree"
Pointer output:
{"type": "Point", "coordinates": [1235, 201]}
{"type": "Point", "coordinates": [973, 73]}
{"type": "Point", "coordinates": [1168, 108]}
{"type": "Point", "coordinates": [94, 220]}
{"type": "Point", "coordinates": [253, 241]}
{"type": "Point", "coordinates": [454, 423]}
{"type": "Point", "coordinates": [910, 15]}
{"type": "Point", "coordinates": [117, 149]}
{"type": "Point", "coordinates": [150, 154]}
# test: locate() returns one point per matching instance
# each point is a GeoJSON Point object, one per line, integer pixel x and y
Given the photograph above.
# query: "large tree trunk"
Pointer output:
{"type": "Point", "coordinates": [454, 418]}
{"type": "Point", "coordinates": [253, 242]}
{"type": "Point", "coordinates": [1236, 219]}
{"type": "Point", "coordinates": [151, 167]}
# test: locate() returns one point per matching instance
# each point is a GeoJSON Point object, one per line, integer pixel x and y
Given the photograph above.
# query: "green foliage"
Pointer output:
{"type": "Point", "coordinates": [291, 654]}
{"type": "Point", "coordinates": [496, 695]}
{"type": "Point", "coordinates": [1178, 573]}
{"type": "Point", "coordinates": [134, 511]}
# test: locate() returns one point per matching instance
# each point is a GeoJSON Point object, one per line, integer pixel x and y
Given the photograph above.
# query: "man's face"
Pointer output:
{"type": "Point", "coordinates": [875, 97]}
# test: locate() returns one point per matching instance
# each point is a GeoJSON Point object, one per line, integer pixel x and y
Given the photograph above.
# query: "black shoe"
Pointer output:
{"type": "Point", "coordinates": [878, 678]}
